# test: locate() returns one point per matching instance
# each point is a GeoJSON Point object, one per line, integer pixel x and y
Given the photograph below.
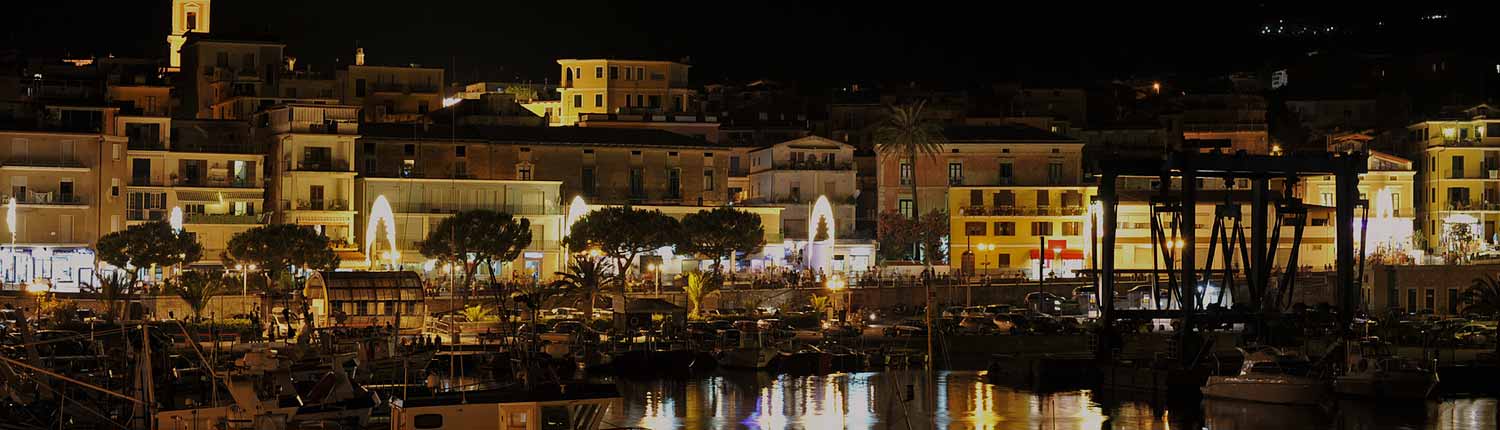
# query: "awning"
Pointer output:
{"type": "Point", "coordinates": [215, 196]}
{"type": "Point", "coordinates": [1066, 254]}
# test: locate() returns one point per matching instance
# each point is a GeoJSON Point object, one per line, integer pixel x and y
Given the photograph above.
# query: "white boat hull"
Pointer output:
{"type": "Point", "coordinates": [1280, 389]}
{"type": "Point", "coordinates": [1403, 385]}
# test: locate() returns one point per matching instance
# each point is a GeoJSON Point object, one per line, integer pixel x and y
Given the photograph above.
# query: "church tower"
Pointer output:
{"type": "Point", "coordinates": [188, 16]}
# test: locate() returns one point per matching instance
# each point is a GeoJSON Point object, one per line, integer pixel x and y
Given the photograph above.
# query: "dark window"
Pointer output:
{"type": "Point", "coordinates": [674, 183]}
{"type": "Point", "coordinates": [1072, 228]}
{"type": "Point", "coordinates": [192, 21]}
{"type": "Point", "coordinates": [708, 180]}
{"type": "Point", "coordinates": [409, 149]}
{"type": "Point", "coordinates": [955, 173]}
{"type": "Point", "coordinates": [598, 100]}
{"type": "Point", "coordinates": [974, 228]}
{"type": "Point", "coordinates": [222, 59]}
{"type": "Point", "coordinates": [1054, 173]}
{"type": "Point", "coordinates": [1429, 299]}
{"type": "Point", "coordinates": [460, 151]}
{"type": "Point", "coordinates": [422, 107]}
{"type": "Point", "coordinates": [248, 62]}
{"type": "Point", "coordinates": [1452, 301]}
{"type": "Point", "coordinates": [637, 183]}
{"type": "Point", "coordinates": [588, 181]}
{"type": "Point", "coordinates": [599, 72]}
{"type": "Point", "coordinates": [655, 101]}
{"type": "Point", "coordinates": [976, 198]}
{"type": "Point", "coordinates": [359, 87]}
{"type": "Point", "coordinates": [1041, 228]}
{"type": "Point", "coordinates": [904, 206]}
{"type": "Point", "coordinates": [578, 100]}
{"type": "Point", "coordinates": [1411, 300]}
{"type": "Point", "coordinates": [906, 174]}
{"type": "Point", "coordinates": [427, 421]}
{"type": "Point", "coordinates": [1005, 228]}
{"type": "Point", "coordinates": [1005, 173]}
{"type": "Point", "coordinates": [614, 72]}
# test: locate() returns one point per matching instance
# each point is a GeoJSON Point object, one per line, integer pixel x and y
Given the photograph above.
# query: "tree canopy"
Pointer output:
{"type": "Point", "coordinates": [623, 233]}
{"type": "Point", "coordinates": [277, 248]}
{"type": "Point", "coordinates": [475, 238]}
{"type": "Point", "coordinates": [721, 232]}
{"type": "Point", "coordinates": [196, 288]}
{"type": "Point", "coordinates": [900, 235]}
{"type": "Point", "coordinates": [145, 245]}
{"type": "Point", "coordinates": [585, 278]}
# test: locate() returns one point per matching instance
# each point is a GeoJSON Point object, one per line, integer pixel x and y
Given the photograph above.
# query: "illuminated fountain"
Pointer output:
{"type": "Point", "coordinates": [175, 219]}
{"type": "Point", "coordinates": [821, 233]}
{"type": "Point", "coordinates": [380, 211]}
{"type": "Point", "coordinates": [576, 210]}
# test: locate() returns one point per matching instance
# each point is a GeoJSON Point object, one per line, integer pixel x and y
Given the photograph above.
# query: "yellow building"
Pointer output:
{"type": "Point", "coordinates": [1389, 188]}
{"type": "Point", "coordinates": [1001, 230]}
{"type": "Point", "coordinates": [1458, 179]}
{"type": "Point", "coordinates": [210, 169]}
{"type": "Point", "coordinates": [623, 86]}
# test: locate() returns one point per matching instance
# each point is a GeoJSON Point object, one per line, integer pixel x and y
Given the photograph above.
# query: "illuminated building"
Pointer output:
{"type": "Point", "coordinates": [1458, 180]}
{"type": "Point", "coordinates": [989, 163]}
{"type": "Point", "coordinates": [395, 93]}
{"type": "Point", "coordinates": [311, 149]}
{"type": "Point", "coordinates": [220, 70]}
{"type": "Point", "coordinates": [605, 86]}
{"type": "Point", "coordinates": [211, 169]}
{"type": "Point", "coordinates": [793, 175]}
{"type": "Point", "coordinates": [1388, 186]}
{"type": "Point", "coordinates": [188, 16]}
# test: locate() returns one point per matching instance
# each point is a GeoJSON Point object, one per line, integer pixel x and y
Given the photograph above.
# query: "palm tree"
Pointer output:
{"type": "Point", "coordinates": [1483, 297]}
{"type": "Point", "coordinates": [907, 133]}
{"type": "Point", "coordinates": [477, 313]}
{"type": "Point", "coordinates": [196, 288]}
{"type": "Point", "coordinates": [819, 305]}
{"type": "Point", "coordinates": [698, 286]}
{"type": "Point", "coordinates": [585, 278]}
{"type": "Point", "coordinates": [115, 291]}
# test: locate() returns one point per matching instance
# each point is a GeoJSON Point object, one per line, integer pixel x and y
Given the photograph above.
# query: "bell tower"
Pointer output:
{"type": "Point", "coordinates": [188, 16]}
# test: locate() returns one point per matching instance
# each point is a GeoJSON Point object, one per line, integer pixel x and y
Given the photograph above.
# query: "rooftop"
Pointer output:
{"type": "Point", "coordinates": [601, 136]}
{"type": "Point", "coordinates": [1002, 133]}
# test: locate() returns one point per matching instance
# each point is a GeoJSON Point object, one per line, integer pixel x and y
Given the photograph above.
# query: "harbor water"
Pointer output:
{"type": "Point", "coordinates": [965, 400]}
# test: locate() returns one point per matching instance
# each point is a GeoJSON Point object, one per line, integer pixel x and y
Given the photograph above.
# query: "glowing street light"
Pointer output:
{"type": "Point", "coordinates": [175, 219]}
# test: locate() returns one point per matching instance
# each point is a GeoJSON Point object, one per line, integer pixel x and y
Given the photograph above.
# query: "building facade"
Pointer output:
{"type": "Point", "coordinates": [623, 86]}
{"type": "Point", "coordinates": [211, 169]}
{"type": "Point", "coordinates": [312, 173]}
{"type": "Point", "coordinates": [1458, 182]}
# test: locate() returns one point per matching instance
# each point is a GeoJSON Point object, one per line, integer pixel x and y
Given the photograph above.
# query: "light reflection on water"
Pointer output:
{"type": "Point", "coordinates": [964, 400]}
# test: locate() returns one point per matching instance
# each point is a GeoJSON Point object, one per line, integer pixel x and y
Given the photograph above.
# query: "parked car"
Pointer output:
{"type": "Point", "coordinates": [976, 325]}
{"type": "Point", "coordinates": [767, 310]}
{"type": "Point", "coordinates": [1474, 335]}
{"type": "Point", "coordinates": [841, 331]}
{"type": "Point", "coordinates": [953, 312]}
{"type": "Point", "coordinates": [907, 327]}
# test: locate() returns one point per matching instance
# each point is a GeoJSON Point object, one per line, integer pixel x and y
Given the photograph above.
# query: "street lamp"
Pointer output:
{"type": "Point", "coordinates": [656, 272]}
{"type": "Point", "coordinates": [835, 284]}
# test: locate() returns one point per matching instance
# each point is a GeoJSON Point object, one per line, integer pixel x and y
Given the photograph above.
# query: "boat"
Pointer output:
{"type": "Point", "coordinates": [846, 359]}
{"type": "Point", "coordinates": [1269, 375]}
{"type": "Point", "coordinates": [573, 406]}
{"type": "Point", "coordinates": [263, 394]}
{"type": "Point", "coordinates": [744, 350]}
{"type": "Point", "coordinates": [808, 360]}
{"type": "Point", "coordinates": [1372, 370]}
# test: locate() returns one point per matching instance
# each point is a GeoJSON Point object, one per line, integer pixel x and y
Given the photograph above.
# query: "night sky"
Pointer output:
{"type": "Point", "coordinates": [820, 43]}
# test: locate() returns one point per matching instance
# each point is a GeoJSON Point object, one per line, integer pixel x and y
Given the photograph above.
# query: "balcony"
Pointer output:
{"type": "Point", "coordinates": [317, 205]}
{"type": "Point", "coordinates": [1022, 211]}
{"type": "Point", "coordinates": [214, 182]}
{"type": "Point", "coordinates": [322, 165]}
{"type": "Point", "coordinates": [514, 209]}
{"type": "Point", "coordinates": [814, 165]}
{"type": "Point", "coordinates": [1473, 206]}
{"type": "Point", "coordinates": [50, 199]}
{"type": "Point", "coordinates": [44, 162]}
{"type": "Point", "coordinates": [394, 87]}
{"type": "Point", "coordinates": [215, 149]}
{"type": "Point", "coordinates": [223, 219]}
{"type": "Point", "coordinates": [146, 214]}
{"type": "Point", "coordinates": [143, 181]}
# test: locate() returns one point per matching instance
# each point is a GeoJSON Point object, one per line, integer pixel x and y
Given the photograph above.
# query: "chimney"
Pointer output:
{"type": "Point", "coordinates": [359, 56]}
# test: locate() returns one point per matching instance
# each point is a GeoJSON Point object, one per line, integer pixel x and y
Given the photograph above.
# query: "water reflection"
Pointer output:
{"type": "Point", "coordinates": [964, 400]}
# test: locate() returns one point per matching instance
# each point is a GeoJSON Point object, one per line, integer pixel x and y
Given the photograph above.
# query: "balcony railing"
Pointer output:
{"type": "Point", "coordinates": [215, 183]}
{"type": "Point", "coordinates": [324, 165]}
{"type": "Point", "coordinates": [147, 182]}
{"type": "Point", "coordinates": [1022, 211]}
{"type": "Point", "coordinates": [514, 209]}
{"type": "Point", "coordinates": [146, 214]}
{"type": "Point", "coordinates": [49, 199]}
{"type": "Point", "coordinates": [43, 161]}
{"type": "Point", "coordinates": [223, 219]}
{"type": "Point", "coordinates": [814, 165]}
{"type": "Point", "coordinates": [1473, 206]}
{"type": "Point", "coordinates": [393, 87]}
{"type": "Point", "coordinates": [317, 205]}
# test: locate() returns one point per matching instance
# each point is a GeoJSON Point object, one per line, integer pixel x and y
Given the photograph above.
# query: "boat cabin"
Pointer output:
{"type": "Point", "coordinates": [367, 299]}
{"type": "Point", "coordinates": [553, 407]}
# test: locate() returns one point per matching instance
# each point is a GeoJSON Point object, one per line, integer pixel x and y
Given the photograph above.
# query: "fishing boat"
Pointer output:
{"type": "Point", "coordinates": [553, 406]}
{"type": "Point", "coordinates": [744, 350]}
{"type": "Point", "coordinates": [1372, 370]}
{"type": "Point", "coordinates": [1269, 375]}
{"type": "Point", "coordinates": [807, 360]}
